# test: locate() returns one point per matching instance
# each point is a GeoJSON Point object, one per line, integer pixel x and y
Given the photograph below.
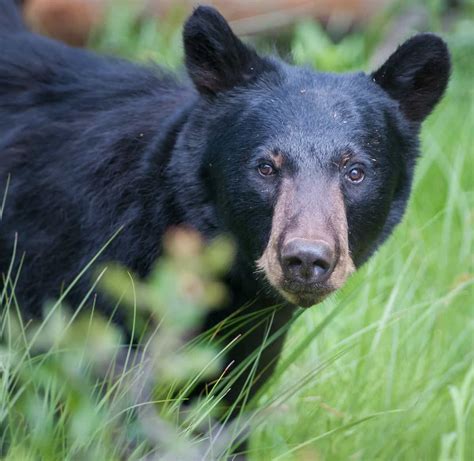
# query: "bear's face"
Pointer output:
{"type": "Point", "coordinates": [309, 171]}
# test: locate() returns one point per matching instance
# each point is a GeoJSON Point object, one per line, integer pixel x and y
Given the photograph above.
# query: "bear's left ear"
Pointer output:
{"type": "Point", "coordinates": [416, 75]}
{"type": "Point", "coordinates": [215, 58]}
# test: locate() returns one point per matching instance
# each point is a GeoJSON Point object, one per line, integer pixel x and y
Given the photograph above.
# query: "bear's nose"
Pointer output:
{"type": "Point", "coordinates": [307, 261]}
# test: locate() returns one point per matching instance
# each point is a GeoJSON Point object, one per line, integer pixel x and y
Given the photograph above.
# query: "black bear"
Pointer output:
{"type": "Point", "coordinates": [308, 171]}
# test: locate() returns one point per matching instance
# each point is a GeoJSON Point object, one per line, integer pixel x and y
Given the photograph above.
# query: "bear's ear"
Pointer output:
{"type": "Point", "coordinates": [416, 75]}
{"type": "Point", "coordinates": [215, 58]}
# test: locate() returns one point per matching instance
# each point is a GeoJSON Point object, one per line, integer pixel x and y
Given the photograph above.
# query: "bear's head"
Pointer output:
{"type": "Point", "coordinates": [309, 171]}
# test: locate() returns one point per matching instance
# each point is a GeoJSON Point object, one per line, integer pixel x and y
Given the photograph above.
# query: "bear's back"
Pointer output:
{"type": "Point", "coordinates": [81, 137]}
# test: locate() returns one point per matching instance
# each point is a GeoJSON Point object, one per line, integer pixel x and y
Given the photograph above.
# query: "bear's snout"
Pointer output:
{"type": "Point", "coordinates": [307, 256]}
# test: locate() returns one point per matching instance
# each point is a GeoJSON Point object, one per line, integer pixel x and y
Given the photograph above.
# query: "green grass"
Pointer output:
{"type": "Point", "coordinates": [381, 371]}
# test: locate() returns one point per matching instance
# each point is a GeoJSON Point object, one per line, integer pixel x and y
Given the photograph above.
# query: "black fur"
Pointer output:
{"type": "Point", "coordinates": [10, 19]}
{"type": "Point", "coordinates": [93, 144]}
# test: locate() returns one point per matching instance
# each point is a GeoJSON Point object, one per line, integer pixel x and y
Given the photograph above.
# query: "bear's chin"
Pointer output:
{"type": "Point", "coordinates": [304, 300]}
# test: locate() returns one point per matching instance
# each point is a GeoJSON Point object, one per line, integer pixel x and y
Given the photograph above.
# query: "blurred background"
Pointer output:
{"type": "Point", "coordinates": [74, 20]}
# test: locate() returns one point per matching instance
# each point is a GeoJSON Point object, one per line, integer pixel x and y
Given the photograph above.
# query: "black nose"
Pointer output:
{"type": "Point", "coordinates": [307, 261]}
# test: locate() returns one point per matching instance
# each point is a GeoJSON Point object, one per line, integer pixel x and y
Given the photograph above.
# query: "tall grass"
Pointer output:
{"type": "Point", "coordinates": [382, 370]}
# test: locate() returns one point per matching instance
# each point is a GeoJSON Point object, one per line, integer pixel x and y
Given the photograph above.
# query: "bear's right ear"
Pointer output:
{"type": "Point", "coordinates": [215, 58]}
{"type": "Point", "coordinates": [416, 75]}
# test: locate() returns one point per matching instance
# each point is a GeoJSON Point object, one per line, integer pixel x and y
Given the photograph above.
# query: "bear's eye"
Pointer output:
{"type": "Point", "coordinates": [266, 169]}
{"type": "Point", "coordinates": [355, 175]}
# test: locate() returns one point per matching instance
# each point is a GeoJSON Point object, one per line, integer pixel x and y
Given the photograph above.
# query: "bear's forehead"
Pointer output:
{"type": "Point", "coordinates": [323, 85]}
{"type": "Point", "coordinates": [317, 101]}
{"type": "Point", "coordinates": [317, 118]}
{"type": "Point", "coordinates": [313, 118]}
{"type": "Point", "coordinates": [309, 117]}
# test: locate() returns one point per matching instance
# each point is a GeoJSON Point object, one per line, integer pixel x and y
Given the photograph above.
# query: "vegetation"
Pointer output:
{"type": "Point", "coordinates": [382, 370]}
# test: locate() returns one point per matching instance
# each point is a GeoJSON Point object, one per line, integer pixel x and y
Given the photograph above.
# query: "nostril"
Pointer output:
{"type": "Point", "coordinates": [322, 264]}
{"type": "Point", "coordinates": [293, 261]}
